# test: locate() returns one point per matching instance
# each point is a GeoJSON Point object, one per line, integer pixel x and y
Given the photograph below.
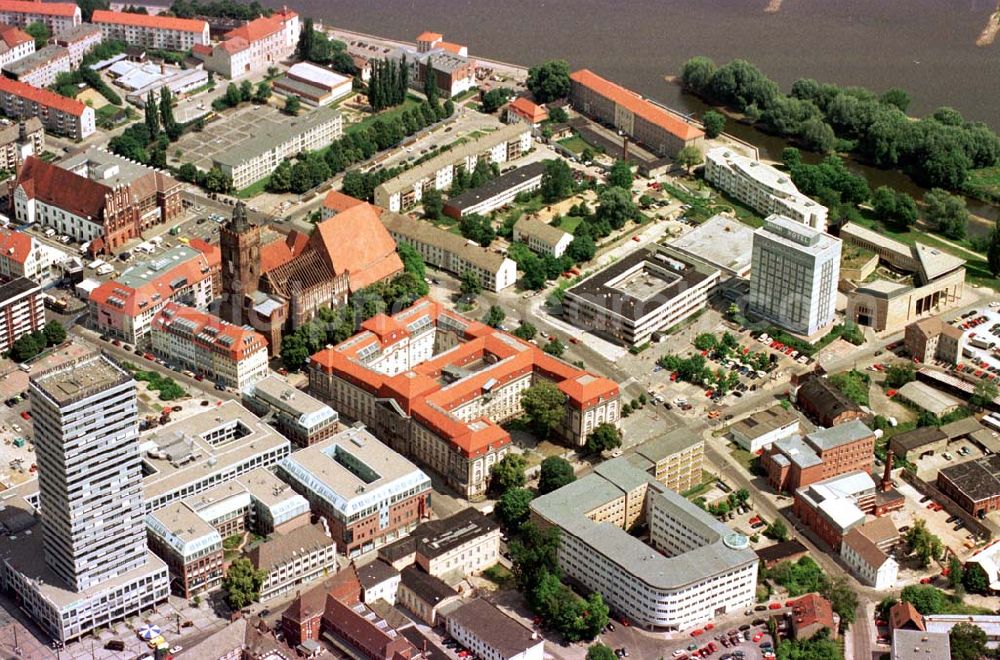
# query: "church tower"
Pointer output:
{"type": "Point", "coordinates": [239, 240]}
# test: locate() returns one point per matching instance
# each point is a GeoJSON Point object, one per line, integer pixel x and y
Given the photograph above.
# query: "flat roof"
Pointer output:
{"type": "Point", "coordinates": [17, 287]}
{"type": "Point", "coordinates": [568, 507]}
{"type": "Point", "coordinates": [74, 380]}
{"type": "Point", "coordinates": [764, 422]}
{"type": "Point", "coordinates": [182, 529]}
{"type": "Point", "coordinates": [438, 537]}
{"type": "Point", "coordinates": [144, 272]}
{"type": "Point", "coordinates": [35, 60]}
{"type": "Point", "coordinates": [353, 471]}
{"type": "Point", "coordinates": [920, 645]}
{"type": "Point", "coordinates": [794, 449]}
{"type": "Point", "coordinates": [670, 443]}
{"type": "Point", "coordinates": [642, 282]}
{"type": "Point", "coordinates": [270, 134]}
{"type": "Point", "coordinates": [795, 236]}
{"type": "Point", "coordinates": [497, 186]}
{"type": "Point", "coordinates": [278, 392]}
{"type": "Point", "coordinates": [979, 479]}
{"type": "Point", "coordinates": [317, 74]}
{"type": "Point", "coordinates": [723, 242]}
{"type": "Point", "coordinates": [841, 434]}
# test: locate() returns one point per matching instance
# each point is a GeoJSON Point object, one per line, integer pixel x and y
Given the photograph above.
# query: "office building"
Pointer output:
{"type": "Point", "coordinates": [794, 275]}
{"type": "Point", "coordinates": [436, 386]}
{"type": "Point", "coordinates": [492, 635]}
{"type": "Point", "coordinates": [927, 281]}
{"type": "Point", "coordinates": [274, 141]}
{"type": "Point", "coordinates": [721, 241]}
{"type": "Point", "coordinates": [496, 193]}
{"type": "Point", "coordinates": [187, 274]}
{"type": "Point", "coordinates": [760, 430]}
{"type": "Point", "coordinates": [443, 249]}
{"type": "Point", "coordinates": [660, 130]}
{"type": "Point", "coordinates": [23, 255]}
{"type": "Point", "coordinates": [153, 32]}
{"type": "Point", "coordinates": [191, 548]}
{"type": "Point", "coordinates": [368, 494]}
{"type": "Point", "coordinates": [40, 68]}
{"type": "Point", "coordinates": [833, 507]}
{"type": "Point", "coordinates": [15, 44]}
{"type": "Point", "coordinates": [314, 85]}
{"type": "Point", "coordinates": [79, 41]}
{"type": "Point", "coordinates": [674, 459]}
{"type": "Point", "coordinates": [59, 115]}
{"type": "Point", "coordinates": [293, 559]}
{"type": "Point", "coordinates": [974, 485]}
{"type": "Point", "coordinates": [763, 188]}
{"type": "Point", "coordinates": [797, 461]}
{"type": "Point", "coordinates": [693, 570]}
{"type": "Point", "coordinates": [541, 237]}
{"type": "Point", "coordinates": [254, 46]}
{"type": "Point", "coordinates": [933, 339]}
{"type": "Point", "coordinates": [505, 144]}
{"type": "Point", "coordinates": [299, 417]}
{"type": "Point", "coordinates": [21, 310]}
{"type": "Point", "coordinates": [56, 16]}
{"type": "Point", "coordinates": [461, 544]}
{"type": "Point", "coordinates": [86, 564]}
{"type": "Point", "coordinates": [226, 354]}
{"type": "Point", "coordinates": [641, 295]}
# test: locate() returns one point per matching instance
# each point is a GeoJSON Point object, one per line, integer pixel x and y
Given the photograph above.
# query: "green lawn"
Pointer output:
{"type": "Point", "coordinates": [253, 189]}
{"type": "Point", "coordinates": [570, 223]}
{"type": "Point", "coordinates": [743, 456]}
{"type": "Point", "coordinates": [410, 102]}
{"type": "Point", "coordinates": [576, 144]}
{"type": "Point", "coordinates": [984, 184]}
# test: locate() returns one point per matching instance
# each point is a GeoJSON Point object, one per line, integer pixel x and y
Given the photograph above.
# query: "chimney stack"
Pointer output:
{"type": "Point", "coordinates": [887, 475]}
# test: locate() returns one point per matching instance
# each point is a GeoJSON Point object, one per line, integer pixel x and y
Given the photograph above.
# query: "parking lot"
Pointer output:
{"type": "Point", "coordinates": [983, 336]}
{"type": "Point", "coordinates": [959, 541]}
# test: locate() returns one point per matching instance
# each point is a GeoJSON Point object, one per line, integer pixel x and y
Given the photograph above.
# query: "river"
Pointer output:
{"type": "Point", "coordinates": [924, 46]}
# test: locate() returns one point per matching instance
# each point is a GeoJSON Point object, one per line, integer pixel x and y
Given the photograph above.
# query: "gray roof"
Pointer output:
{"type": "Point", "coordinates": [917, 644]}
{"type": "Point", "coordinates": [36, 60]}
{"type": "Point", "coordinates": [797, 451]}
{"type": "Point", "coordinates": [838, 435]}
{"type": "Point", "coordinates": [668, 444]}
{"type": "Point", "coordinates": [978, 479]}
{"type": "Point", "coordinates": [424, 232]}
{"type": "Point", "coordinates": [78, 32]}
{"type": "Point", "coordinates": [73, 380]}
{"type": "Point", "coordinates": [497, 186]}
{"type": "Point", "coordinates": [458, 154]}
{"type": "Point", "coordinates": [540, 230]}
{"type": "Point", "coordinates": [721, 241]}
{"type": "Point", "coordinates": [428, 588]}
{"type": "Point", "coordinates": [764, 422]}
{"type": "Point", "coordinates": [494, 628]}
{"type": "Point", "coordinates": [567, 508]}
{"type": "Point", "coordinates": [375, 573]}
{"type": "Point", "coordinates": [15, 288]}
{"type": "Point", "coordinates": [272, 134]}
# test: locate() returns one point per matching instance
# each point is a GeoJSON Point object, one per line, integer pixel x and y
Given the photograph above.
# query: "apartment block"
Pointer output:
{"type": "Point", "coordinates": [56, 16]}
{"type": "Point", "coordinates": [79, 41]}
{"type": "Point", "coordinates": [15, 44]}
{"type": "Point", "coordinates": [205, 344]}
{"type": "Point", "coordinates": [59, 115]}
{"type": "Point", "coordinates": [159, 32]}
{"type": "Point", "coordinates": [505, 144]}
{"type": "Point", "coordinates": [496, 193]}
{"type": "Point", "coordinates": [442, 249]}
{"type": "Point", "coordinates": [794, 276]}
{"type": "Point", "coordinates": [368, 494]}
{"type": "Point", "coordinates": [22, 255]}
{"type": "Point", "coordinates": [932, 339]}
{"type": "Point", "coordinates": [761, 187]}
{"type": "Point", "coordinates": [40, 68]}
{"type": "Point", "coordinates": [21, 310]}
{"type": "Point", "coordinates": [541, 237]}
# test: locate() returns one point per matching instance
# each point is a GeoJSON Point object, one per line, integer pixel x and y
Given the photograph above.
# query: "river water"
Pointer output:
{"type": "Point", "coordinates": [924, 46]}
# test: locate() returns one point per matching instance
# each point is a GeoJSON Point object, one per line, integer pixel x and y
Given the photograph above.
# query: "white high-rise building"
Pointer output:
{"type": "Point", "coordinates": [88, 565]}
{"type": "Point", "coordinates": [794, 275]}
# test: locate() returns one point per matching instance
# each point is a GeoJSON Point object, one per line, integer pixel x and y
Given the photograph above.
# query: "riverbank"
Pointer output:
{"type": "Point", "coordinates": [991, 31]}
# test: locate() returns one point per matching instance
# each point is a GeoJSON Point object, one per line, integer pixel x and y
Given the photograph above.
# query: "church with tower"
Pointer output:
{"type": "Point", "coordinates": [276, 283]}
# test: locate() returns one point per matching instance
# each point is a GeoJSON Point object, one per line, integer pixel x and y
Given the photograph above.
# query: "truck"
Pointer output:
{"type": "Point", "coordinates": [978, 342]}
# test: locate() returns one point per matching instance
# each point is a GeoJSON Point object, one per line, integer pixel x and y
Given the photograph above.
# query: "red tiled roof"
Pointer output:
{"type": "Point", "coordinates": [903, 615]}
{"type": "Point", "coordinates": [41, 96]}
{"type": "Point", "coordinates": [356, 242]}
{"type": "Point", "coordinates": [812, 609]}
{"type": "Point", "coordinates": [636, 104]}
{"type": "Point", "coordinates": [209, 331]}
{"type": "Point", "coordinates": [15, 245]}
{"type": "Point", "coordinates": [13, 36]}
{"type": "Point", "coordinates": [337, 201]}
{"type": "Point", "coordinates": [451, 48]}
{"type": "Point", "coordinates": [63, 189]}
{"type": "Point", "coordinates": [234, 44]}
{"type": "Point", "coordinates": [148, 21]}
{"type": "Point", "coordinates": [260, 28]}
{"type": "Point", "coordinates": [44, 8]}
{"type": "Point", "coordinates": [201, 49]}
{"type": "Point", "coordinates": [280, 252]}
{"type": "Point", "coordinates": [430, 36]}
{"type": "Point", "coordinates": [531, 111]}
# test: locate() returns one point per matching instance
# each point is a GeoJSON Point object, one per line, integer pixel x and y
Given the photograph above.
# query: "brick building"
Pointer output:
{"type": "Point", "coordinates": [797, 461]}
{"type": "Point", "coordinates": [974, 485]}
{"type": "Point", "coordinates": [825, 404]}
{"type": "Point", "coordinates": [932, 339]}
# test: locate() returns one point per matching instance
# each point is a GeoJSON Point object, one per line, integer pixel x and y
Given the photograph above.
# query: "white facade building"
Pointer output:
{"type": "Point", "coordinates": [21, 310]}
{"type": "Point", "coordinates": [23, 255]}
{"type": "Point", "coordinates": [255, 46]}
{"type": "Point", "coordinates": [542, 237]}
{"type": "Point", "coordinates": [492, 635]}
{"type": "Point", "coordinates": [292, 559]}
{"type": "Point", "coordinates": [696, 570]}
{"type": "Point", "coordinates": [17, 44]}
{"type": "Point", "coordinates": [868, 562]}
{"type": "Point", "coordinates": [760, 430]}
{"type": "Point", "coordinates": [793, 279]}
{"type": "Point", "coordinates": [59, 114]}
{"type": "Point", "coordinates": [761, 187]}
{"type": "Point", "coordinates": [40, 68]}
{"type": "Point", "coordinates": [56, 16]}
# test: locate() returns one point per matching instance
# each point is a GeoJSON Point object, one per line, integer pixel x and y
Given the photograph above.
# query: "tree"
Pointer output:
{"type": "Point", "coordinates": [430, 83]}
{"type": "Point", "coordinates": [514, 507]}
{"type": "Point", "coordinates": [968, 642]}
{"type": "Point", "coordinates": [307, 40]}
{"type": "Point", "coordinates": [294, 352]}
{"type": "Point", "coordinates": [555, 473]}
{"type": "Point", "coordinates": [777, 531]}
{"type": "Point", "coordinates": [925, 545]}
{"type": "Point", "coordinates": [896, 97]}
{"type": "Point", "coordinates": [946, 212]}
{"type": "Point", "coordinates": [471, 284]}
{"type": "Point", "coordinates": [688, 157]}
{"type": "Point", "coordinates": [495, 316]}
{"type": "Point", "coordinates": [508, 473]}
{"type": "Point", "coordinates": [955, 573]}
{"type": "Point", "coordinates": [525, 331]}
{"type": "Point", "coordinates": [897, 375]}
{"type": "Point", "coordinates": [40, 32]}
{"type": "Point", "coordinates": [549, 81]}
{"type": "Point", "coordinates": [600, 652]}
{"type": "Point", "coordinates": [843, 599]}
{"type": "Point", "coordinates": [554, 347]}
{"type": "Point", "coordinates": [263, 93]}
{"type": "Point", "coordinates": [496, 97]}
{"type": "Point", "coordinates": [975, 580]}
{"type": "Point", "coordinates": [292, 105]}
{"type": "Point", "coordinates": [993, 250]}
{"type": "Point", "coordinates": [232, 97]}
{"type": "Point", "coordinates": [544, 406]}
{"type": "Point", "coordinates": [604, 437]}
{"type": "Point", "coordinates": [246, 91]}
{"type": "Point", "coordinates": [697, 74]}
{"type": "Point", "coordinates": [620, 175]}
{"type": "Point", "coordinates": [152, 119]}
{"type": "Point", "coordinates": [984, 393]}
{"type": "Point", "coordinates": [26, 347]}
{"type": "Point", "coordinates": [533, 555]}
{"type": "Point", "coordinates": [557, 181]}
{"type": "Point", "coordinates": [714, 122]}
{"type": "Point", "coordinates": [55, 334]}
{"type": "Point", "coordinates": [433, 204]}
{"type": "Point", "coordinates": [582, 248]}
{"type": "Point", "coordinates": [616, 207]}
{"type": "Point", "coordinates": [242, 583]}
